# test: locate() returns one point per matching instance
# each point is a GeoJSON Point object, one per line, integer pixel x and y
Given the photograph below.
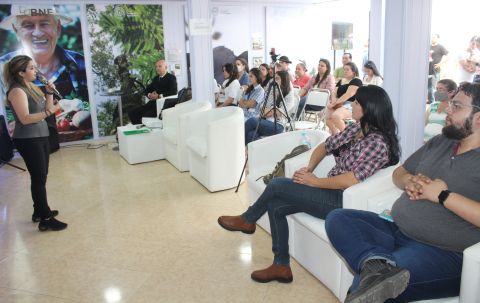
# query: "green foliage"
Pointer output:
{"type": "Point", "coordinates": [138, 30]}
{"type": "Point", "coordinates": [105, 111]}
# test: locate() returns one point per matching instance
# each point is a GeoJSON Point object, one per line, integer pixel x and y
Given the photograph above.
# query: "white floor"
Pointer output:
{"type": "Point", "coordinates": [137, 233]}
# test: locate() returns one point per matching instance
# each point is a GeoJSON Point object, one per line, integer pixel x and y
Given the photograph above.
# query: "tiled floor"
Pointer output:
{"type": "Point", "coordinates": [137, 233]}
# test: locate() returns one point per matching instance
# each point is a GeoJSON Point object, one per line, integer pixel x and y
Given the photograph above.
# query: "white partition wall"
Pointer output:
{"type": "Point", "coordinates": [200, 43]}
{"type": "Point", "coordinates": [407, 43]}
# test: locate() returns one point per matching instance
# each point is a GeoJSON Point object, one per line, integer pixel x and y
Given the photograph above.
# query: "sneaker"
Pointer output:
{"type": "Point", "coordinates": [36, 218]}
{"type": "Point", "coordinates": [51, 223]}
{"type": "Point", "coordinates": [379, 281]}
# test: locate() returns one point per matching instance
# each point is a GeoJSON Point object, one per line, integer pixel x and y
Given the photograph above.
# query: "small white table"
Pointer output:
{"type": "Point", "coordinates": [142, 147]}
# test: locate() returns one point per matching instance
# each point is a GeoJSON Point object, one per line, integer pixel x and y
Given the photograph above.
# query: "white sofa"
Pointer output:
{"type": "Point", "coordinates": [216, 147]}
{"type": "Point", "coordinates": [308, 241]}
{"type": "Point", "coordinates": [175, 131]}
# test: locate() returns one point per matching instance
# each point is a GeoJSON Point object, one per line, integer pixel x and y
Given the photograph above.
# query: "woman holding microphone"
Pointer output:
{"type": "Point", "coordinates": [30, 107]}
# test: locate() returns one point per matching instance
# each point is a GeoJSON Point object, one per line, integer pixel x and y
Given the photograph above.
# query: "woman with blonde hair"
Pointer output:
{"type": "Point", "coordinates": [30, 107]}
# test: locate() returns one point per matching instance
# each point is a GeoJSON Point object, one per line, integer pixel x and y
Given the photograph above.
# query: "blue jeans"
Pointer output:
{"type": "Point", "coordinates": [361, 235]}
{"type": "Point", "coordinates": [265, 128]}
{"type": "Point", "coordinates": [283, 197]}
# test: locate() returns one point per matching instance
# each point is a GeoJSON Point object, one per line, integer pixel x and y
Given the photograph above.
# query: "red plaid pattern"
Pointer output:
{"type": "Point", "coordinates": [362, 157]}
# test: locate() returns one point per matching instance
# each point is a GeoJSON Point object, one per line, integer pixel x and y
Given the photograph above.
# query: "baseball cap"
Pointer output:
{"type": "Point", "coordinates": [32, 10]}
{"type": "Point", "coordinates": [284, 59]}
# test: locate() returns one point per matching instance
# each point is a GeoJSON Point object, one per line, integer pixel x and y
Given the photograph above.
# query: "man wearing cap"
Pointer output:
{"type": "Point", "coordinates": [284, 63]}
{"type": "Point", "coordinates": [37, 28]}
{"type": "Point", "coordinates": [338, 73]}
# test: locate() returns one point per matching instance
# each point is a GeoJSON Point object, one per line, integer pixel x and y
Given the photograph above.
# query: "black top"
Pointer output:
{"type": "Point", "coordinates": [342, 89]}
{"type": "Point", "coordinates": [166, 85]}
{"type": "Point", "coordinates": [436, 52]}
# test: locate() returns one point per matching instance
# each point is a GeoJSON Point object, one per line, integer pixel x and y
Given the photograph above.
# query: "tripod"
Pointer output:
{"type": "Point", "coordinates": [3, 162]}
{"type": "Point", "coordinates": [272, 88]}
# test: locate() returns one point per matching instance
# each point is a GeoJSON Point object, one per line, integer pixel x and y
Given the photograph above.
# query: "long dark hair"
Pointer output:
{"type": "Point", "coordinates": [244, 63]}
{"type": "Point", "coordinates": [378, 117]}
{"type": "Point", "coordinates": [370, 65]}
{"type": "Point", "coordinates": [284, 85]}
{"type": "Point", "coordinates": [267, 77]}
{"type": "Point", "coordinates": [231, 69]}
{"type": "Point", "coordinates": [256, 73]}
{"type": "Point", "coordinates": [327, 73]}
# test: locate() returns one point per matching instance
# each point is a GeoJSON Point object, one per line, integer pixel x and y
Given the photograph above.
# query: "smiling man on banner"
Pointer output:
{"type": "Point", "coordinates": [38, 27]}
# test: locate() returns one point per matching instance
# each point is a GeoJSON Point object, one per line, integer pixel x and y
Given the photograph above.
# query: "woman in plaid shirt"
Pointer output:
{"type": "Point", "coordinates": [360, 150]}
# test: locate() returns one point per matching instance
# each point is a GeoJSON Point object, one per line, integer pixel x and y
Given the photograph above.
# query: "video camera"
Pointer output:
{"type": "Point", "coordinates": [273, 55]}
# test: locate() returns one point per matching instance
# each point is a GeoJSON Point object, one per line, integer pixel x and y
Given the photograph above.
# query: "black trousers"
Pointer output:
{"type": "Point", "coordinates": [146, 110]}
{"type": "Point", "coordinates": [36, 154]}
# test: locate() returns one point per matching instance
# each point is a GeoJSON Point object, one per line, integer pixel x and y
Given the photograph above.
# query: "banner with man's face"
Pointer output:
{"type": "Point", "coordinates": [51, 36]}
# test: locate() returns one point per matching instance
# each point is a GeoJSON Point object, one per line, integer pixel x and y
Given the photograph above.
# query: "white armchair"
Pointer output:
{"type": "Point", "coordinates": [216, 147]}
{"type": "Point", "coordinates": [264, 154]}
{"type": "Point", "coordinates": [161, 102]}
{"type": "Point", "coordinates": [175, 131]}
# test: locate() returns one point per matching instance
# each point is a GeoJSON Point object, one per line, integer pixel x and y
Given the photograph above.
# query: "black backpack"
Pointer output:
{"type": "Point", "coordinates": [185, 94]}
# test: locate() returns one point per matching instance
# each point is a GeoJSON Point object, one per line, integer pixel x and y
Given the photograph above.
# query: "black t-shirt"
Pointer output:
{"type": "Point", "coordinates": [436, 52]}
{"type": "Point", "coordinates": [342, 89]}
{"type": "Point", "coordinates": [167, 85]}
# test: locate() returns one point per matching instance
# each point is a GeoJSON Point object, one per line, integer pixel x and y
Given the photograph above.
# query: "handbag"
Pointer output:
{"type": "Point", "coordinates": [279, 170]}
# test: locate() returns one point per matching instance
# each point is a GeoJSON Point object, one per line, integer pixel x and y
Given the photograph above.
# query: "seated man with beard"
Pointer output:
{"type": "Point", "coordinates": [419, 255]}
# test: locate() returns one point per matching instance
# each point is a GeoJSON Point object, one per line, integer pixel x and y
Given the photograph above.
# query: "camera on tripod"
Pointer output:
{"type": "Point", "coordinates": [273, 55]}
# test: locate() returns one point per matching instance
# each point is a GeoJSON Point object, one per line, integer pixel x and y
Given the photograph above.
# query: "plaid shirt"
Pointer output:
{"type": "Point", "coordinates": [363, 157]}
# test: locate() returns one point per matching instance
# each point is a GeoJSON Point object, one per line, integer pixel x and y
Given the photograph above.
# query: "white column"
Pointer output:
{"type": "Point", "coordinates": [376, 31]}
{"type": "Point", "coordinates": [407, 42]}
{"type": "Point", "coordinates": [201, 55]}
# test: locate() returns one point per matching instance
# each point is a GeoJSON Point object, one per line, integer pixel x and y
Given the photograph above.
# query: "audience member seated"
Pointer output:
{"type": "Point", "coordinates": [268, 124]}
{"type": "Point", "coordinates": [419, 255]}
{"type": "Point", "coordinates": [323, 80]}
{"type": "Point", "coordinates": [360, 150]}
{"type": "Point", "coordinates": [252, 98]}
{"type": "Point", "coordinates": [230, 86]}
{"type": "Point", "coordinates": [163, 85]}
{"type": "Point", "coordinates": [337, 111]}
{"type": "Point", "coordinates": [437, 112]}
{"type": "Point", "coordinates": [265, 74]}
{"type": "Point", "coordinates": [372, 76]}
{"type": "Point", "coordinates": [242, 68]}
{"type": "Point", "coordinates": [338, 73]}
{"type": "Point", "coordinates": [301, 75]}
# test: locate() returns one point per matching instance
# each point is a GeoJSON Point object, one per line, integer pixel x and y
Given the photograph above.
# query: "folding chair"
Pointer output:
{"type": "Point", "coordinates": [315, 98]}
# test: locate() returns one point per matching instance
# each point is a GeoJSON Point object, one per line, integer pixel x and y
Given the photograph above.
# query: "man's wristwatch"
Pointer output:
{"type": "Point", "coordinates": [443, 196]}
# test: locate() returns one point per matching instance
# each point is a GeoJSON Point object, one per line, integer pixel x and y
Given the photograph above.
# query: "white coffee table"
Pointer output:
{"type": "Point", "coordinates": [142, 147]}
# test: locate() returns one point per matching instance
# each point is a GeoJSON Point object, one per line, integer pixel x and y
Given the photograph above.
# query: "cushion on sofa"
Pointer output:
{"type": "Point", "coordinates": [315, 225]}
{"type": "Point", "coordinates": [198, 145]}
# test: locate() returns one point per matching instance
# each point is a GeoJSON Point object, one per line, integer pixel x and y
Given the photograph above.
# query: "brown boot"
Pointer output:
{"type": "Point", "coordinates": [281, 273]}
{"type": "Point", "coordinates": [236, 223]}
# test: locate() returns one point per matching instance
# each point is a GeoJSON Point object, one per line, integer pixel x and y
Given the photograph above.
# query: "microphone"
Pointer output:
{"type": "Point", "coordinates": [44, 81]}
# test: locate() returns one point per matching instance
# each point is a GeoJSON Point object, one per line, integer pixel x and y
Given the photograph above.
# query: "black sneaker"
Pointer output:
{"type": "Point", "coordinates": [51, 223]}
{"type": "Point", "coordinates": [36, 218]}
{"type": "Point", "coordinates": [379, 281]}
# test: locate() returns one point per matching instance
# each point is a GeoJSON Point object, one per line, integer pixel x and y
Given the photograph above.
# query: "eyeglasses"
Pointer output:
{"type": "Point", "coordinates": [457, 105]}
